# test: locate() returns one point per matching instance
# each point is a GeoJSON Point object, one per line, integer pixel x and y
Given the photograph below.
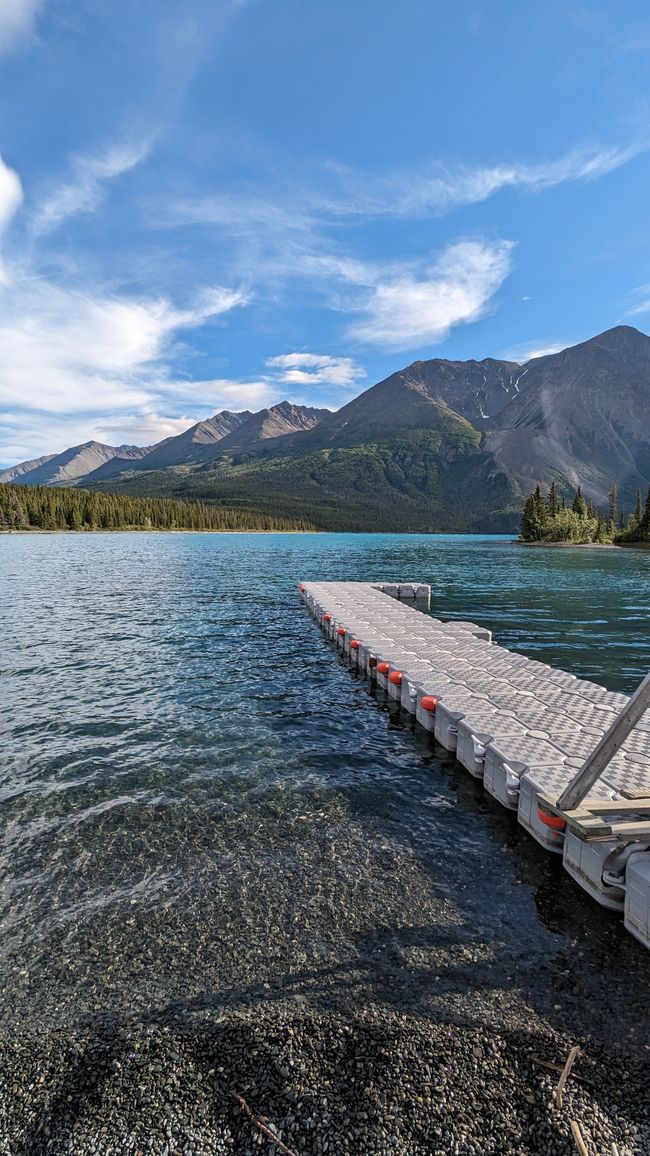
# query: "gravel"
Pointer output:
{"type": "Point", "coordinates": [369, 1083]}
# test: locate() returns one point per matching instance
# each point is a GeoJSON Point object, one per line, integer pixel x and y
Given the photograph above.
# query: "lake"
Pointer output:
{"type": "Point", "coordinates": [202, 810]}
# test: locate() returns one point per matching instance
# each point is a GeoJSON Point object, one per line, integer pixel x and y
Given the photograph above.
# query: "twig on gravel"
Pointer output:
{"type": "Point", "coordinates": [566, 1070]}
{"type": "Point", "coordinates": [262, 1127]}
{"type": "Point", "coordinates": [576, 1132]}
{"type": "Point", "coordinates": [540, 1063]}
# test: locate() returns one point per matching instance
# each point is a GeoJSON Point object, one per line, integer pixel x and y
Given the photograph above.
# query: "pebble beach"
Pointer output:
{"type": "Point", "coordinates": [371, 1083]}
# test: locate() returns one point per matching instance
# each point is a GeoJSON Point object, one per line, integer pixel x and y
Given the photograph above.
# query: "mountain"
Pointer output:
{"type": "Point", "coordinates": [441, 444]}
{"type": "Point", "coordinates": [14, 473]}
{"type": "Point", "coordinates": [279, 421]}
{"type": "Point", "coordinates": [69, 466]}
{"type": "Point", "coordinates": [193, 445]}
{"type": "Point", "coordinates": [584, 413]}
{"type": "Point", "coordinates": [226, 432]}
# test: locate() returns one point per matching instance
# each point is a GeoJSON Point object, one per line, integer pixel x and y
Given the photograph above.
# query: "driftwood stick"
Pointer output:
{"type": "Point", "coordinates": [262, 1127]}
{"type": "Point", "coordinates": [559, 1068]}
{"type": "Point", "coordinates": [576, 1132]}
{"type": "Point", "coordinates": [566, 1070]}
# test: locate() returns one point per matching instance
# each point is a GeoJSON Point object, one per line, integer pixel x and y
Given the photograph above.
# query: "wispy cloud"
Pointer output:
{"type": "Point", "coordinates": [414, 305]}
{"type": "Point", "coordinates": [297, 228]}
{"type": "Point", "coordinates": [84, 192]}
{"type": "Point", "coordinates": [224, 393]}
{"type": "Point", "coordinates": [67, 352]}
{"type": "Point", "coordinates": [298, 204]}
{"type": "Point", "coordinates": [11, 194]}
{"type": "Point", "coordinates": [23, 440]}
{"type": "Point", "coordinates": [82, 366]}
{"type": "Point", "coordinates": [437, 189]}
{"type": "Point", "coordinates": [528, 350]}
{"type": "Point", "coordinates": [641, 304]}
{"type": "Point", "coordinates": [17, 19]}
{"type": "Point", "coordinates": [316, 369]}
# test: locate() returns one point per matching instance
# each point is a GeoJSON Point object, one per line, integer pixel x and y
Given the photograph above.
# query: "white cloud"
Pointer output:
{"type": "Point", "coordinates": [642, 295]}
{"type": "Point", "coordinates": [67, 352]}
{"type": "Point", "coordinates": [316, 369]}
{"type": "Point", "coordinates": [292, 233]}
{"type": "Point", "coordinates": [298, 207]}
{"type": "Point", "coordinates": [225, 393]}
{"type": "Point", "coordinates": [527, 352]}
{"type": "Point", "coordinates": [138, 429]}
{"type": "Point", "coordinates": [84, 193]}
{"type": "Point", "coordinates": [437, 189]}
{"type": "Point", "coordinates": [16, 21]}
{"type": "Point", "coordinates": [11, 194]}
{"type": "Point", "coordinates": [23, 439]}
{"type": "Point", "coordinates": [412, 306]}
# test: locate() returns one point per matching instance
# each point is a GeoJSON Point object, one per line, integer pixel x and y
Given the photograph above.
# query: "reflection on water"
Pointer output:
{"type": "Point", "coordinates": [202, 808]}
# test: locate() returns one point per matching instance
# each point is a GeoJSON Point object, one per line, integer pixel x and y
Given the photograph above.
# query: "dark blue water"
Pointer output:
{"type": "Point", "coordinates": [201, 808]}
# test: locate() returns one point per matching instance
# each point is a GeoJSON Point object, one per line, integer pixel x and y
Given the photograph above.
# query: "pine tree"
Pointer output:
{"type": "Point", "coordinates": [552, 500]}
{"type": "Point", "coordinates": [579, 506]}
{"type": "Point", "coordinates": [613, 504]}
{"type": "Point", "coordinates": [645, 521]}
{"type": "Point", "coordinates": [638, 509]}
{"type": "Point", "coordinates": [540, 504]}
{"type": "Point", "coordinates": [529, 522]}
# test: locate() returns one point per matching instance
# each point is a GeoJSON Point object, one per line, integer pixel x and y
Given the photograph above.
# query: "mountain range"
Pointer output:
{"type": "Point", "coordinates": [444, 445]}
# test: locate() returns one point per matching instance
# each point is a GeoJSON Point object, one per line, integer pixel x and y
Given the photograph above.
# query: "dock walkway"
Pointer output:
{"type": "Point", "coordinates": [521, 726]}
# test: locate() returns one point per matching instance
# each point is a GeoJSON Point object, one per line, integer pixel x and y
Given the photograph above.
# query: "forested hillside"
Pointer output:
{"type": "Point", "coordinates": [43, 508]}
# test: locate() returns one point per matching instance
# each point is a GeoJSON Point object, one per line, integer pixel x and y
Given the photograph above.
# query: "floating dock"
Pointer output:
{"type": "Point", "coordinates": [522, 727]}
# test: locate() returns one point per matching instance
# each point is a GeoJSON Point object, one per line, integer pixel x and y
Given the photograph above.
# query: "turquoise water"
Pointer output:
{"type": "Point", "coordinates": [201, 807]}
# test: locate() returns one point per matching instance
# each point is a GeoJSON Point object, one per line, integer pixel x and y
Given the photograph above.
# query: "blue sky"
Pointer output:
{"type": "Point", "coordinates": [222, 203]}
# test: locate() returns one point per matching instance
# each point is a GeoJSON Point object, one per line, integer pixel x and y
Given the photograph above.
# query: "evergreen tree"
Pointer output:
{"type": "Point", "coordinates": [530, 522]}
{"type": "Point", "coordinates": [613, 504]}
{"type": "Point", "coordinates": [540, 505]}
{"type": "Point", "coordinates": [638, 509]}
{"type": "Point", "coordinates": [579, 506]}
{"type": "Point", "coordinates": [552, 500]}
{"type": "Point", "coordinates": [645, 520]}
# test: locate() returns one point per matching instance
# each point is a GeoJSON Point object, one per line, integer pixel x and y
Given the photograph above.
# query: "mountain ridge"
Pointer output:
{"type": "Point", "coordinates": [439, 442]}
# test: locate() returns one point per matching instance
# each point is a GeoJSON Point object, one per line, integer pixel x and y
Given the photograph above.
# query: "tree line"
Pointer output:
{"type": "Point", "coordinates": [45, 508]}
{"type": "Point", "coordinates": [548, 518]}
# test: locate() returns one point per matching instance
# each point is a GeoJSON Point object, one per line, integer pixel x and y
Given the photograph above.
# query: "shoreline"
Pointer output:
{"type": "Point", "coordinates": [579, 545]}
{"type": "Point", "coordinates": [300, 1080]}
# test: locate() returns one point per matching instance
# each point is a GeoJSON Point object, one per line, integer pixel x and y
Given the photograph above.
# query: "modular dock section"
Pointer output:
{"type": "Point", "coordinates": [520, 725]}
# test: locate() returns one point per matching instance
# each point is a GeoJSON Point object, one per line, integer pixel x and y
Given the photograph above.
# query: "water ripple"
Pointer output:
{"type": "Point", "coordinates": [200, 805]}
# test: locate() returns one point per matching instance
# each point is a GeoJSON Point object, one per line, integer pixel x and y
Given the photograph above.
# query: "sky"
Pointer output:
{"type": "Point", "coordinates": [225, 203]}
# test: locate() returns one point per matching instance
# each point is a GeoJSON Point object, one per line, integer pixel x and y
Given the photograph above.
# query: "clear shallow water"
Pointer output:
{"type": "Point", "coordinates": [201, 809]}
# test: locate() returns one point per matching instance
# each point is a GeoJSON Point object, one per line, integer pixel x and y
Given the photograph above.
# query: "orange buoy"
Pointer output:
{"type": "Point", "coordinates": [327, 618]}
{"type": "Point", "coordinates": [429, 702]}
{"type": "Point", "coordinates": [355, 644]}
{"type": "Point", "coordinates": [396, 677]}
{"type": "Point", "coordinates": [552, 821]}
{"type": "Point", "coordinates": [341, 631]}
{"type": "Point", "coordinates": [382, 667]}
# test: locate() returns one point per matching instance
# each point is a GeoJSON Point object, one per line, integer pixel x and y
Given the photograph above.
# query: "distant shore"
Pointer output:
{"type": "Point", "coordinates": [149, 530]}
{"type": "Point", "coordinates": [578, 545]}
